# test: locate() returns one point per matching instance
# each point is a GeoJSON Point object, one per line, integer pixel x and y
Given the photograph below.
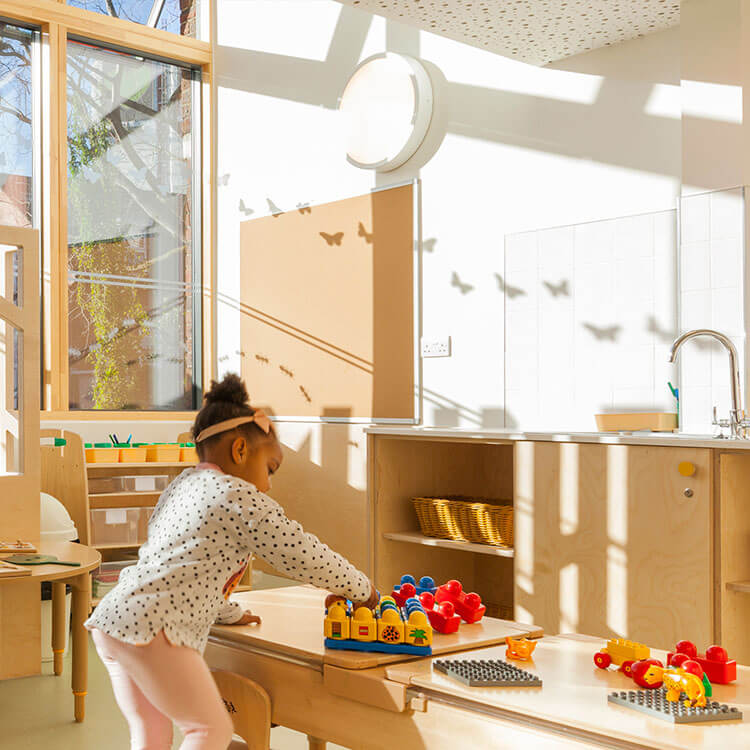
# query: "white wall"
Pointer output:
{"type": "Point", "coordinates": [511, 148]}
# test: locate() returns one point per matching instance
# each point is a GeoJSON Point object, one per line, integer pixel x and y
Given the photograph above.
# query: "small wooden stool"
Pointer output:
{"type": "Point", "coordinates": [249, 706]}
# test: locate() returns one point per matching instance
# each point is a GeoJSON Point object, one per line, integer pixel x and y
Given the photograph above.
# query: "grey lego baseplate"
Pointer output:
{"type": "Point", "coordinates": [654, 703]}
{"type": "Point", "coordinates": [486, 673]}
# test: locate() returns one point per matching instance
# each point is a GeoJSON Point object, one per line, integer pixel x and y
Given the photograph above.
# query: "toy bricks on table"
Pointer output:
{"type": "Point", "coordinates": [443, 617]}
{"type": "Point", "coordinates": [468, 606]}
{"type": "Point", "coordinates": [720, 671]}
{"type": "Point", "coordinates": [409, 588]}
{"type": "Point", "coordinates": [389, 629]}
{"type": "Point", "coordinates": [654, 703]}
{"type": "Point", "coordinates": [486, 673]}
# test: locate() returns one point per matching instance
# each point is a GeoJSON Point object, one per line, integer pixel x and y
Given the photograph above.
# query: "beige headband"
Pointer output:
{"type": "Point", "coordinates": [259, 418]}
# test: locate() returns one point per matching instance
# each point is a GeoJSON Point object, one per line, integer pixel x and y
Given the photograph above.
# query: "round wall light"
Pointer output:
{"type": "Point", "coordinates": [387, 108]}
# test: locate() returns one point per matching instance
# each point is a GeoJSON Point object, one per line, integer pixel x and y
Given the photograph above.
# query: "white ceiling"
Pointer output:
{"type": "Point", "coordinates": [533, 31]}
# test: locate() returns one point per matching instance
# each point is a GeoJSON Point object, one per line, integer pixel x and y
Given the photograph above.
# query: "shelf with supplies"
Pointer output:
{"type": "Point", "coordinates": [416, 537]}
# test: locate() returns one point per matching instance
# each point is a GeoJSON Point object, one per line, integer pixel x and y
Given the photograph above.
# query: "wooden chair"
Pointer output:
{"type": "Point", "coordinates": [249, 706]}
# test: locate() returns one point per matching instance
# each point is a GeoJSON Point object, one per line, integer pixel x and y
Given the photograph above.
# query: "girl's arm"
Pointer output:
{"type": "Point", "coordinates": [285, 545]}
{"type": "Point", "coordinates": [229, 614]}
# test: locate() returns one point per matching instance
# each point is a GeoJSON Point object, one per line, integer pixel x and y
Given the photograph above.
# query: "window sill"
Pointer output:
{"type": "Point", "coordinates": [117, 416]}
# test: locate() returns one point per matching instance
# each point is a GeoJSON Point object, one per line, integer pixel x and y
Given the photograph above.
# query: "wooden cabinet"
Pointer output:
{"type": "Point", "coordinates": [613, 540]}
{"type": "Point", "coordinates": [402, 468]}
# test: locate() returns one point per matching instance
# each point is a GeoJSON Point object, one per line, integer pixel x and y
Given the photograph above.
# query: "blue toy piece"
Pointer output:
{"type": "Point", "coordinates": [381, 648]}
{"type": "Point", "coordinates": [426, 583]}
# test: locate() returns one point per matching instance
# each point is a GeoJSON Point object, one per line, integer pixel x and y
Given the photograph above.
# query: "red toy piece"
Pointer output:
{"type": "Point", "coordinates": [405, 591]}
{"type": "Point", "coordinates": [442, 617]}
{"type": "Point", "coordinates": [677, 660]}
{"type": "Point", "coordinates": [468, 606]}
{"type": "Point", "coordinates": [693, 667]}
{"type": "Point", "coordinates": [638, 672]}
{"type": "Point", "coordinates": [715, 662]}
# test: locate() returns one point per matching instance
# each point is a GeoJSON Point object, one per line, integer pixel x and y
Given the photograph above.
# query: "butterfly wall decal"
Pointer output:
{"type": "Point", "coordinates": [557, 290]}
{"type": "Point", "coordinates": [332, 239]}
{"type": "Point", "coordinates": [609, 333]}
{"type": "Point", "coordinates": [304, 208]}
{"type": "Point", "coordinates": [273, 208]}
{"type": "Point", "coordinates": [245, 209]}
{"type": "Point", "coordinates": [305, 394]}
{"type": "Point", "coordinates": [509, 291]}
{"type": "Point", "coordinates": [286, 371]}
{"type": "Point", "coordinates": [223, 179]}
{"type": "Point", "coordinates": [428, 245]}
{"type": "Point", "coordinates": [262, 359]}
{"type": "Point", "coordinates": [462, 286]}
{"type": "Point", "coordinates": [362, 232]}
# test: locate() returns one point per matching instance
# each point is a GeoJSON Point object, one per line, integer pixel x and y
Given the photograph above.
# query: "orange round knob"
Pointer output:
{"type": "Point", "coordinates": [686, 468]}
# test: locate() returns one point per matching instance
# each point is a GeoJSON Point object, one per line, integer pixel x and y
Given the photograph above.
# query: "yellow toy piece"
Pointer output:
{"type": "Point", "coordinates": [363, 626]}
{"type": "Point", "coordinates": [336, 624]}
{"type": "Point", "coordinates": [390, 627]}
{"type": "Point", "coordinates": [418, 630]}
{"type": "Point", "coordinates": [519, 648]}
{"type": "Point", "coordinates": [678, 681]}
{"type": "Point", "coordinates": [621, 649]}
{"type": "Point", "coordinates": [386, 599]}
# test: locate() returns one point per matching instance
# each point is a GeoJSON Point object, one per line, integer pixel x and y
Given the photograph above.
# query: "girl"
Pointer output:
{"type": "Point", "coordinates": [151, 629]}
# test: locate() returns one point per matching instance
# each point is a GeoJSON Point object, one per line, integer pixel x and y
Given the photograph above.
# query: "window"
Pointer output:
{"type": "Point", "coordinates": [134, 327]}
{"type": "Point", "coordinates": [177, 16]}
{"type": "Point", "coordinates": [16, 132]}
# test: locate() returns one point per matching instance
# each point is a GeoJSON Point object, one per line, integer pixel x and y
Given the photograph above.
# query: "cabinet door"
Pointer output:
{"type": "Point", "coordinates": [608, 543]}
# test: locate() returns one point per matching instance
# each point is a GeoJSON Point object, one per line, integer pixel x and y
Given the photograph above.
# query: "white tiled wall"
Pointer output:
{"type": "Point", "coordinates": [711, 296]}
{"type": "Point", "coordinates": [590, 313]}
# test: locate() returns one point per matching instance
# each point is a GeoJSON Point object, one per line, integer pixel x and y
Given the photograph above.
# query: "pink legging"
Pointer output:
{"type": "Point", "coordinates": [157, 684]}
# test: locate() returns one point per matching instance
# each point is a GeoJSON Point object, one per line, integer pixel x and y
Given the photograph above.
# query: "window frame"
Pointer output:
{"type": "Point", "coordinates": [57, 22]}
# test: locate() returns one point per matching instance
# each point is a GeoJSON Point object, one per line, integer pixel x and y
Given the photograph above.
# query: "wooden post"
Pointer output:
{"type": "Point", "coordinates": [59, 625]}
{"type": "Point", "coordinates": [80, 606]}
{"type": "Point", "coordinates": [316, 744]}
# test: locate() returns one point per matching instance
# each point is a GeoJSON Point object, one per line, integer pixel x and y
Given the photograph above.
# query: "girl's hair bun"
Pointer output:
{"type": "Point", "coordinates": [230, 390]}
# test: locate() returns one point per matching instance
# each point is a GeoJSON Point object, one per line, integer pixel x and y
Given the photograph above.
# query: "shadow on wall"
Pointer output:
{"type": "Point", "coordinates": [449, 413]}
{"type": "Point", "coordinates": [319, 495]}
{"type": "Point", "coordinates": [588, 521]}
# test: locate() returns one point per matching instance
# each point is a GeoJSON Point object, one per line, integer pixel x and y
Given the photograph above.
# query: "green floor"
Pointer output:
{"type": "Point", "coordinates": [36, 713]}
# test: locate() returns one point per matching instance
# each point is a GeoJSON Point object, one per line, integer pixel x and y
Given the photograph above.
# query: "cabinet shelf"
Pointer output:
{"type": "Point", "coordinates": [414, 537]}
{"type": "Point", "coordinates": [124, 499]}
{"type": "Point", "coordinates": [740, 586]}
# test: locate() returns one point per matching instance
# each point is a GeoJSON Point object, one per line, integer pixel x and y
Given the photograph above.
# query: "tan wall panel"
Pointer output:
{"type": "Point", "coordinates": [327, 308]}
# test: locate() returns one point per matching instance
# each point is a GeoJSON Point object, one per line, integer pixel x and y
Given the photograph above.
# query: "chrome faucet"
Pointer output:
{"type": "Point", "coordinates": [738, 425]}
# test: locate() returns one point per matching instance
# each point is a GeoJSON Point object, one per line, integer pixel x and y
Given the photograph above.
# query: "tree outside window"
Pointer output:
{"type": "Point", "coordinates": [132, 270]}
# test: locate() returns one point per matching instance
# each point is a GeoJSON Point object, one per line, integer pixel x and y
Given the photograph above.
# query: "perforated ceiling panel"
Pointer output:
{"type": "Point", "coordinates": [534, 31]}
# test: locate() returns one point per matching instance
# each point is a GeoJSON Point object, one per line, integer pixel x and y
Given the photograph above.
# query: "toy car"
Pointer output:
{"type": "Point", "coordinates": [621, 652]}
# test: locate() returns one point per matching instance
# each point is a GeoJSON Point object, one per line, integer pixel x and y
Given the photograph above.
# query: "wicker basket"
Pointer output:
{"type": "Point", "coordinates": [466, 520]}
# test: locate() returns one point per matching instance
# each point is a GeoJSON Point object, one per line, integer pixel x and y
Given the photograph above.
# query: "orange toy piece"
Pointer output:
{"type": "Point", "coordinates": [519, 648]}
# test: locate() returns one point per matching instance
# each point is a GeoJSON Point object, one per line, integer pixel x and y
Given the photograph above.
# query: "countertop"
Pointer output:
{"type": "Point", "coordinates": [679, 440]}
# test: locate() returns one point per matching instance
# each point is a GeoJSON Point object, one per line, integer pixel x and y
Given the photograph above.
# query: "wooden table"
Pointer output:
{"type": "Point", "coordinates": [331, 694]}
{"type": "Point", "coordinates": [400, 702]}
{"type": "Point", "coordinates": [23, 592]}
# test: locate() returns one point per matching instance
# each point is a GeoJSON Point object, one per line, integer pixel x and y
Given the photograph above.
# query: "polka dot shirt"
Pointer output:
{"type": "Point", "coordinates": [203, 530]}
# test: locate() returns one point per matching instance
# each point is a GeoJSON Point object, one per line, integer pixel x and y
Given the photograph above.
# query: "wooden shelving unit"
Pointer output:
{"type": "Point", "coordinates": [127, 498]}
{"type": "Point", "coordinates": [145, 499]}
{"type": "Point", "coordinates": [401, 468]}
{"type": "Point", "coordinates": [415, 537]}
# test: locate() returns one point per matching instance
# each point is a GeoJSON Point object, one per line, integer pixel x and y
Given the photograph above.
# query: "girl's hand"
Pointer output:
{"type": "Point", "coordinates": [372, 602]}
{"type": "Point", "coordinates": [248, 619]}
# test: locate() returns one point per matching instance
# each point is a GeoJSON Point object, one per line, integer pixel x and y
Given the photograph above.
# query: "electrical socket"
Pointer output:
{"type": "Point", "coordinates": [438, 347]}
